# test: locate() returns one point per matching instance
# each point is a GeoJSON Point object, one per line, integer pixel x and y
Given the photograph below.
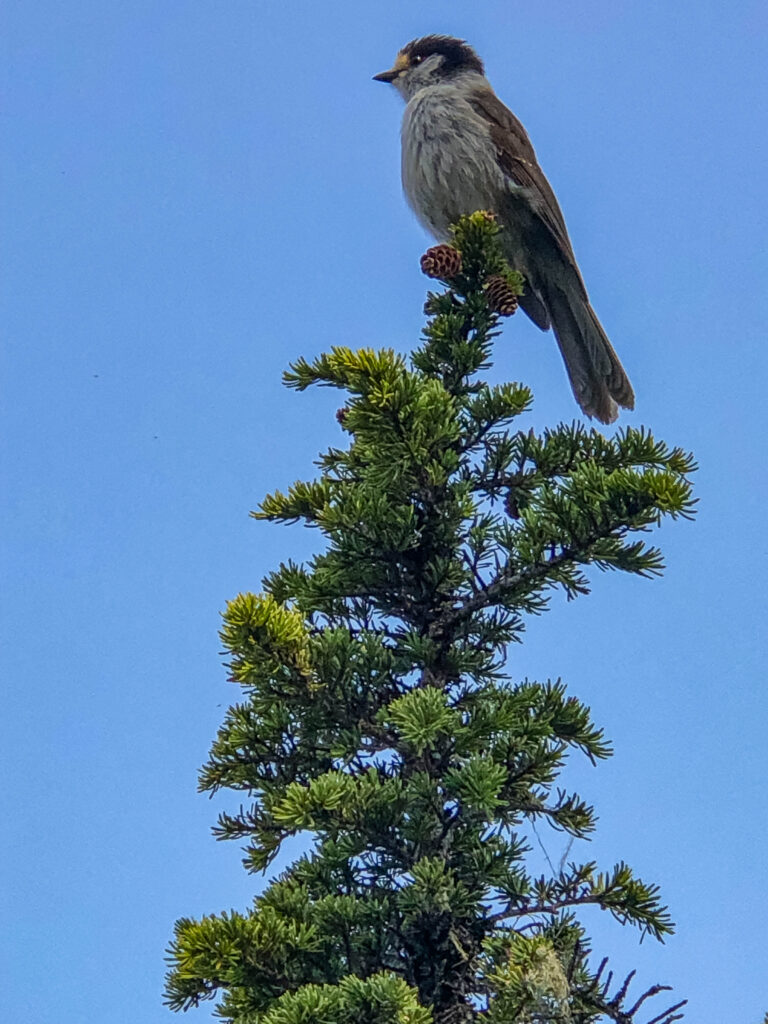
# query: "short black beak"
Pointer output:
{"type": "Point", "coordinates": [386, 76]}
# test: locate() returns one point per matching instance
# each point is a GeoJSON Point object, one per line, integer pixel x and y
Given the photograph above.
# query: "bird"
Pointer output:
{"type": "Point", "coordinates": [463, 150]}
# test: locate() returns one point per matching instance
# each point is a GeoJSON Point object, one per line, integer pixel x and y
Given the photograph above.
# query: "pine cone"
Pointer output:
{"type": "Point", "coordinates": [501, 298]}
{"type": "Point", "coordinates": [341, 415]}
{"type": "Point", "coordinates": [511, 505]}
{"type": "Point", "coordinates": [441, 261]}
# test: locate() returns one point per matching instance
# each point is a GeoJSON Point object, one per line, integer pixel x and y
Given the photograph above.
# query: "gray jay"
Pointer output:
{"type": "Point", "coordinates": [463, 150]}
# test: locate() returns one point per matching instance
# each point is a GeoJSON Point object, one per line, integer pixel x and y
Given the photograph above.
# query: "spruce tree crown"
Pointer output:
{"type": "Point", "coordinates": [377, 718]}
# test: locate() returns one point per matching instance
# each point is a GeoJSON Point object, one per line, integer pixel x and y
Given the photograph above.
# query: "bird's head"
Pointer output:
{"type": "Point", "coordinates": [431, 60]}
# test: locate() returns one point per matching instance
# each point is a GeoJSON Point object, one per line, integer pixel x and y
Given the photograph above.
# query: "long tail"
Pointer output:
{"type": "Point", "coordinates": [598, 379]}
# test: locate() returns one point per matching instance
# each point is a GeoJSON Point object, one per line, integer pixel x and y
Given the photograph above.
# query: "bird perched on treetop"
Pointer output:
{"type": "Point", "coordinates": [463, 150]}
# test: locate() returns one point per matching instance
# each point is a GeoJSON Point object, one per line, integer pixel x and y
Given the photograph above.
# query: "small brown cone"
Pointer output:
{"type": "Point", "coordinates": [511, 505]}
{"type": "Point", "coordinates": [441, 261]}
{"type": "Point", "coordinates": [501, 297]}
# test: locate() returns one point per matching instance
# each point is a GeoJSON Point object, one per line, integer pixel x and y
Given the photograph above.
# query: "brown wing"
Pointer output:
{"type": "Point", "coordinates": [518, 160]}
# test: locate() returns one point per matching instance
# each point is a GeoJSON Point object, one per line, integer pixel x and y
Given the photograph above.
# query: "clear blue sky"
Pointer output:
{"type": "Point", "coordinates": [194, 194]}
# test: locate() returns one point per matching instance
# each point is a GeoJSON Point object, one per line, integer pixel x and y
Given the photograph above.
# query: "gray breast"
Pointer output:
{"type": "Point", "coordinates": [449, 164]}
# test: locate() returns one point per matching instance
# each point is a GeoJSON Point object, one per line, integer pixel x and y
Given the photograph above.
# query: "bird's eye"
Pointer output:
{"type": "Point", "coordinates": [418, 59]}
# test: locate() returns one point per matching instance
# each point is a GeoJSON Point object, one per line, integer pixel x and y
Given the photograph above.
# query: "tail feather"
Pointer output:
{"type": "Point", "coordinates": [597, 377]}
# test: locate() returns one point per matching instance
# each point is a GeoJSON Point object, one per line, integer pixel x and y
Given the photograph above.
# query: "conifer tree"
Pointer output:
{"type": "Point", "coordinates": [376, 716]}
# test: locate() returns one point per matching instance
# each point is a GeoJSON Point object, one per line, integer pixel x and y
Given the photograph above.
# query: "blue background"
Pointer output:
{"type": "Point", "coordinates": [196, 193]}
